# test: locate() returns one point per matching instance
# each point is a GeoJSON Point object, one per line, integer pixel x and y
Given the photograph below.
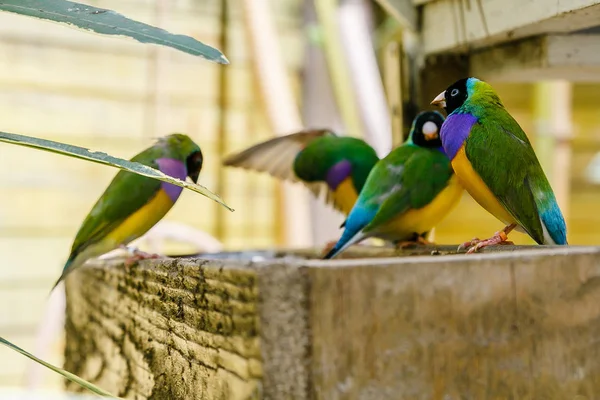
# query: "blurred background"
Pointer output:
{"type": "Point", "coordinates": [350, 65]}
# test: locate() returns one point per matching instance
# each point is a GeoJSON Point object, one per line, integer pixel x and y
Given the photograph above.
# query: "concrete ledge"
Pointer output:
{"type": "Point", "coordinates": [515, 324]}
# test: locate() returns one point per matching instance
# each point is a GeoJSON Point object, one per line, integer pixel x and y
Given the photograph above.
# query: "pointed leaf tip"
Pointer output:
{"type": "Point", "coordinates": [108, 22]}
{"type": "Point", "coordinates": [106, 159]}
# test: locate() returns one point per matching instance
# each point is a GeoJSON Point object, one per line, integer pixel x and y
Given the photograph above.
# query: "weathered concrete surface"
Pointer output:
{"type": "Point", "coordinates": [512, 325]}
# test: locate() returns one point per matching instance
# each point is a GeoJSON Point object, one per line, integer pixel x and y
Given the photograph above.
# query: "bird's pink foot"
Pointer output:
{"type": "Point", "coordinates": [468, 244]}
{"type": "Point", "coordinates": [328, 247]}
{"type": "Point", "coordinates": [138, 255]}
{"type": "Point", "coordinates": [499, 238]}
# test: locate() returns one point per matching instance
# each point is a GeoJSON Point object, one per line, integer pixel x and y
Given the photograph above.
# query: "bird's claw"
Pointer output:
{"type": "Point", "coordinates": [468, 244]}
{"type": "Point", "coordinates": [499, 238]}
{"type": "Point", "coordinates": [138, 255]}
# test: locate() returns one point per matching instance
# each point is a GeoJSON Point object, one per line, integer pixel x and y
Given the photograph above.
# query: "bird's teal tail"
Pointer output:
{"type": "Point", "coordinates": [359, 218]}
{"type": "Point", "coordinates": [555, 225]}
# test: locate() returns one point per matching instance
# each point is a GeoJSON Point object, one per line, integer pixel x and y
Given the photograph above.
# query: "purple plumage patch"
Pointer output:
{"type": "Point", "coordinates": [176, 169]}
{"type": "Point", "coordinates": [455, 131]}
{"type": "Point", "coordinates": [338, 173]}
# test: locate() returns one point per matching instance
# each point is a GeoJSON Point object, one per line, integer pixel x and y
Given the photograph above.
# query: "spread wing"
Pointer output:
{"type": "Point", "coordinates": [276, 157]}
{"type": "Point", "coordinates": [500, 152]}
{"type": "Point", "coordinates": [412, 179]}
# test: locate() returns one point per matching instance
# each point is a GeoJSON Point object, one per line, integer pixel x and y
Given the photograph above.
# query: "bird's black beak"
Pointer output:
{"type": "Point", "coordinates": [194, 176]}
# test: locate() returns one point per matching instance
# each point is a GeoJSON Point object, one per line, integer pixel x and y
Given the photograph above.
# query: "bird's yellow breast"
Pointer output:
{"type": "Point", "coordinates": [423, 219]}
{"type": "Point", "coordinates": [345, 195]}
{"type": "Point", "coordinates": [142, 220]}
{"type": "Point", "coordinates": [477, 188]}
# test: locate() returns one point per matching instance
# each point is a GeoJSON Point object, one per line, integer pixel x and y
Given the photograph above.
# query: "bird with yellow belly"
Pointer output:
{"type": "Point", "coordinates": [497, 165]}
{"type": "Point", "coordinates": [407, 193]}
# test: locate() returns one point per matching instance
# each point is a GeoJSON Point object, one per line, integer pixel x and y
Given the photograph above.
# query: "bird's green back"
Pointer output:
{"type": "Point", "coordinates": [410, 177]}
{"type": "Point", "coordinates": [498, 144]}
{"type": "Point", "coordinates": [319, 156]}
{"type": "Point", "coordinates": [128, 192]}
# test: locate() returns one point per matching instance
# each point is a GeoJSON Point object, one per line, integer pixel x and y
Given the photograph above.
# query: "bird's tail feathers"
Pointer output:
{"type": "Point", "coordinates": [343, 244]}
{"type": "Point", "coordinates": [554, 226]}
{"type": "Point", "coordinates": [353, 230]}
{"type": "Point", "coordinates": [70, 265]}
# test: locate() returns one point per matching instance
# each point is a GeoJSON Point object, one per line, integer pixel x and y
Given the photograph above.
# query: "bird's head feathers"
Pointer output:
{"type": "Point", "coordinates": [465, 92]}
{"type": "Point", "coordinates": [181, 147]}
{"type": "Point", "coordinates": [425, 129]}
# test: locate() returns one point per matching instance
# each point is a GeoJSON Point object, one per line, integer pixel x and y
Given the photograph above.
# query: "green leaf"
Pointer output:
{"type": "Point", "coordinates": [72, 377]}
{"type": "Point", "coordinates": [108, 22]}
{"type": "Point", "coordinates": [103, 158]}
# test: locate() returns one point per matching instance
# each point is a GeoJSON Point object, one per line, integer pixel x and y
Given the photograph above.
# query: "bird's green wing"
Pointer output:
{"type": "Point", "coordinates": [501, 154]}
{"type": "Point", "coordinates": [411, 179]}
{"type": "Point", "coordinates": [276, 157]}
{"type": "Point", "coordinates": [127, 193]}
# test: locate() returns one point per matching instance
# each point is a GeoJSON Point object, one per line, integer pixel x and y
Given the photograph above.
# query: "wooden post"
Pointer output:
{"type": "Point", "coordinates": [338, 68]}
{"type": "Point", "coordinates": [437, 73]}
{"type": "Point", "coordinates": [357, 45]}
{"type": "Point", "coordinates": [282, 110]}
{"type": "Point", "coordinates": [392, 62]}
{"type": "Point", "coordinates": [319, 109]}
{"type": "Point", "coordinates": [431, 327]}
{"type": "Point", "coordinates": [552, 114]}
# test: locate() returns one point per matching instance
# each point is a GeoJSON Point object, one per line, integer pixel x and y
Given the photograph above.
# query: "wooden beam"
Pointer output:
{"type": "Point", "coordinates": [552, 112]}
{"type": "Point", "coordinates": [569, 57]}
{"type": "Point", "coordinates": [455, 26]}
{"type": "Point", "coordinates": [319, 109]}
{"type": "Point", "coordinates": [476, 326]}
{"type": "Point", "coordinates": [278, 96]}
{"type": "Point", "coordinates": [404, 11]}
{"type": "Point", "coordinates": [357, 45]}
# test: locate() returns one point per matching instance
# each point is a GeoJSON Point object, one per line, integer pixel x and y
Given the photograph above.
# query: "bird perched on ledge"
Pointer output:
{"type": "Point", "coordinates": [132, 204]}
{"type": "Point", "coordinates": [496, 164]}
{"type": "Point", "coordinates": [337, 166]}
{"type": "Point", "coordinates": [407, 193]}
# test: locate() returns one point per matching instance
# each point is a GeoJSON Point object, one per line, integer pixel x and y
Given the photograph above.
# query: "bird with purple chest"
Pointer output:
{"type": "Point", "coordinates": [496, 164]}
{"type": "Point", "coordinates": [132, 204]}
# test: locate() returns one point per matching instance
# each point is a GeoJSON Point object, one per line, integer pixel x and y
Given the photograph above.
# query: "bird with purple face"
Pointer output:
{"type": "Point", "coordinates": [132, 204]}
{"type": "Point", "coordinates": [496, 164]}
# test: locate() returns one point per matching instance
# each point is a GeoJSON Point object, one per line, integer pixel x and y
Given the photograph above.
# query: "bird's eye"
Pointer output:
{"type": "Point", "coordinates": [454, 92]}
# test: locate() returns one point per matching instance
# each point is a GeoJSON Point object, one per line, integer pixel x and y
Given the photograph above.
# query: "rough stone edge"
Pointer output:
{"type": "Point", "coordinates": [285, 331]}
{"type": "Point", "coordinates": [498, 253]}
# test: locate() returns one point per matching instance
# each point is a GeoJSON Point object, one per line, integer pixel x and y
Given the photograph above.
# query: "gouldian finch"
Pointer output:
{"type": "Point", "coordinates": [496, 164]}
{"type": "Point", "coordinates": [132, 204]}
{"type": "Point", "coordinates": [326, 163]}
{"type": "Point", "coordinates": [407, 193]}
